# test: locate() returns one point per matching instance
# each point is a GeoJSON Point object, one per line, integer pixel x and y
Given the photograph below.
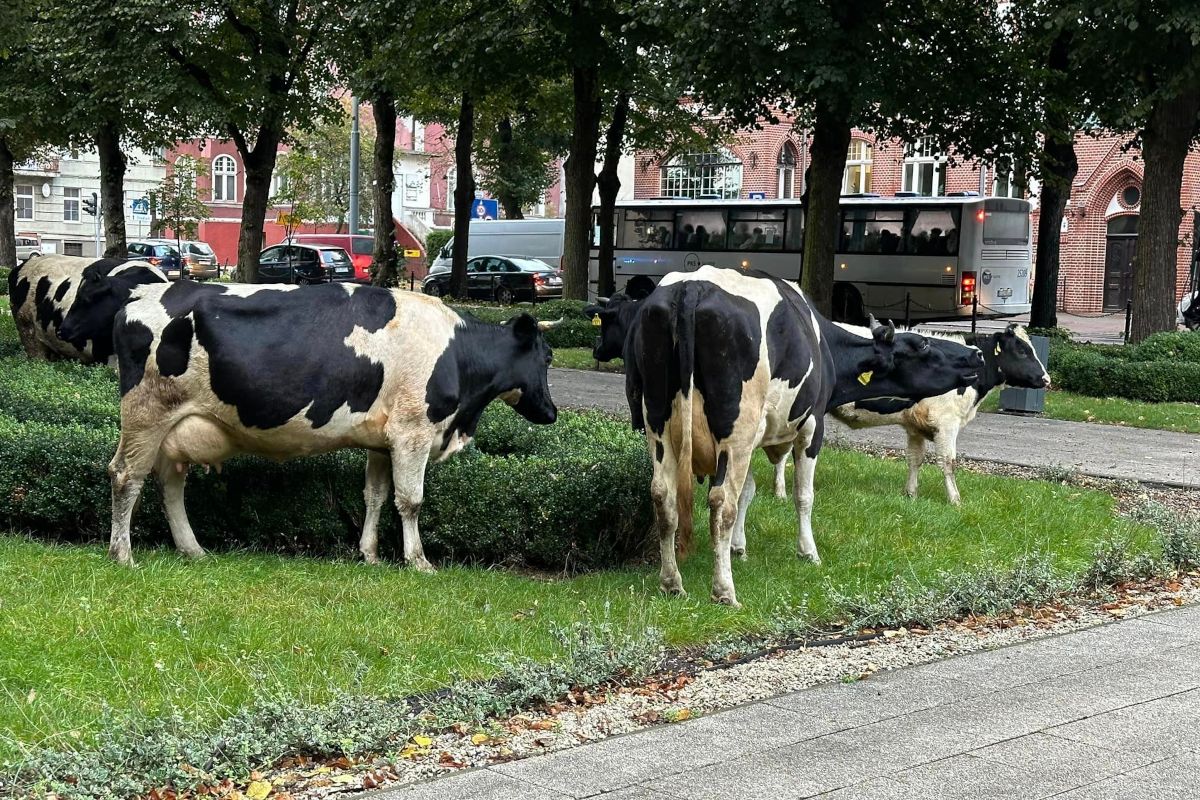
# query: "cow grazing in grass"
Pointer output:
{"type": "Point", "coordinates": [719, 363]}
{"type": "Point", "coordinates": [207, 372]}
{"type": "Point", "coordinates": [102, 292]}
{"type": "Point", "coordinates": [44, 288]}
{"type": "Point", "coordinates": [1009, 359]}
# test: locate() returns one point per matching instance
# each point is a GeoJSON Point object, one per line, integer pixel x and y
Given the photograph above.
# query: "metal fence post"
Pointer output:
{"type": "Point", "coordinates": [974, 312]}
{"type": "Point", "coordinates": [412, 282]}
{"type": "Point", "coordinates": [907, 310]}
{"type": "Point", "coordinates": [1128, 318]}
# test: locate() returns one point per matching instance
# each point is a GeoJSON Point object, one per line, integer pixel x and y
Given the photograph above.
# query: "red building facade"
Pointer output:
{"type": "Point", "coordinates": [1099, 229]}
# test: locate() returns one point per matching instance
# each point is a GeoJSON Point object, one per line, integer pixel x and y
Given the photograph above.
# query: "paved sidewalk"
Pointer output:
{"type": "Point", "coordinates": [1107, 713]}
{"type": "Point", "coordinates": [1107, 451]}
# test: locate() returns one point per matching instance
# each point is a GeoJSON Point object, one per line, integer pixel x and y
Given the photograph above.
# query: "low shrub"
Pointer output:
{"type": "Point", "coordinates": [567, 496]}
{"type": "Point", "coordinates": [1087, 371]}
{"type": "Point", "coordinates": [576, 330]}
{"type": "Point", "coordinates": [10, 342]}
{"type": "Point", "coordinates": [435, 240]}
{"type": "Point", "coordinates": [1170, 346]}
{"type": "Point", "coordinates": [4, 280]}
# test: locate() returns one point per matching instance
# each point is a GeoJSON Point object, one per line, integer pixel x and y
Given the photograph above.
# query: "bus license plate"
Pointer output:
{"type": "Point", "coordinates": [1005, 293]}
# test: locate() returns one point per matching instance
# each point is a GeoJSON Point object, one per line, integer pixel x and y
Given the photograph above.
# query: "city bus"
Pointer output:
{"type": "Point", "coordinates": [920, 258]}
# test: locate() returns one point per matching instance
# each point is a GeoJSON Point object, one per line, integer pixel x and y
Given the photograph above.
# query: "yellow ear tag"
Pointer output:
{"type": "Point", "coordinates": [997, 348]}
{"type": "Point", "coordinates": [865, 377]}
{"type": "Point", "coordinates": [596, 321]}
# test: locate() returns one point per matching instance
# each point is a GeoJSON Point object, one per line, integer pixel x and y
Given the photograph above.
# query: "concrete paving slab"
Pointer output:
{"type": "Point", "coordinates": [1078, 763]}
{"type": "Point", "coordinates": [1124, 787]}
{"type": "Point", "coordinates": [967, 777]}
{"type": "Point", "coordinates": [482, 784]}
{"type": "Point", "coordinates": [882, 696]}
{"type": "Point", "coordinates": [1162, 728]}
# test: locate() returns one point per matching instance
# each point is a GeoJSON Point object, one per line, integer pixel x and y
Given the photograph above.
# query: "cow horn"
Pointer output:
{"type": "Point", "coordinates": [603, 300]}
{"type": "Point", "coordinates": [872, 323]}
{"type": "Point", "coordinates": [545, 326]}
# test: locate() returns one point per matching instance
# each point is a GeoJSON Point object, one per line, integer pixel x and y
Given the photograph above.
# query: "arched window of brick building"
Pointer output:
{"type": "Point", "coordinates": [924, 168]}
{"type": "Point", "coordinates": [789, 157]}
{"type": "Point", "coordinates": [224, 179]}
{"type": "Point", "coordinates": [858, 168]}
{"type": "Point", "coordinates": [717, 173]}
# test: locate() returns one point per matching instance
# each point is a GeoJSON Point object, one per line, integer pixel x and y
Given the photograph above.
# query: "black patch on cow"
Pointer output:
{"type": "Point", "coordinates": [62, 290]}
{"type": "Point", "coordinates": [728, 336]}
{"type": "Point", "coordinates": [272, 354]}
{"type": "Point", "coordinates": [658, 451]}
{"type": "Point", "coordinates": [133, 341]}
{"type": "Point", "coordinates": [182, 295]}
{"type": "Point", "coordinates": [887, 405]}
{"type": "Point", "coordinates": [48, 312]}
{"type": "Point", "coordinates": [18, 291]}
{"type": "Point", "coordinates": [174, 347]}
{"type": "Point", "coordinates": [722, 468]}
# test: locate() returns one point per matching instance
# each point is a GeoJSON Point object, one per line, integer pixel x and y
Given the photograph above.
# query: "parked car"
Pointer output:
{"type": "Point", "coordinates": [304, 263]}
{"type": "Point", "coordinates": [159, 253]}
{"type": "Point", "coordinates": [200, 260]}
{"type": "Point", "coordinates": [503, 279]}
{"type": "Point", "coordinates": [528, 238]}
{"type": "Point", "coordinates": [28, 244]}
{"type": "Point", "coordinates": [361, 248]}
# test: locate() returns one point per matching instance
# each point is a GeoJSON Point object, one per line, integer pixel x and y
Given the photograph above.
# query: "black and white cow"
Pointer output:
{"type": "Point", "coordinates": [207, 372]}
{"type": "Point", "coordinates": [1009, 359]}
{"type": "Point", "coordinates": [43, 289]}
{"type": "Point", "coordinates": [102, 292]}
{"type": "Point", "coordinates": [720, 363]}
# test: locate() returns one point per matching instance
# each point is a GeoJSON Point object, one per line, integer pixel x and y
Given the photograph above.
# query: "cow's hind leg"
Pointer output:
{"type": "Point", "coordinates": [916, 457]}
{"type": "Point", "coordinates": [665, 497]}
{"type": "Point", "coordinates": [378, 485]}
{"type": "Point", "coordinates": [173, 476]}
{"type": "Point", "coordinates": [781, 478]}
{"type": "Point", "coordinates": [805, 452]}
{"type": "Point", "coordinates": [945, 442]}
{"type": "Point", "coordinates": [408, 474]}
{"type": "Point", "coordinates": [737, 541]}
{"type": "Point", "coordinates": [723, 513]}
{"type": "Point", "coordinates": [128, 470]}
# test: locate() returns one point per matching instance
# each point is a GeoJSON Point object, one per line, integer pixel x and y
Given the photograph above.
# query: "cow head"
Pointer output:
{"type": "Point", "coordinates": [913, 366]}
{"type": "Point", "coordinates": [616, 315]}
{"type": "Point", "coordinates": [99, 297]}
{"type": "Point", "coordinates": [1016, 360]}
{"type": "Point", "coordinates": [527, 373]}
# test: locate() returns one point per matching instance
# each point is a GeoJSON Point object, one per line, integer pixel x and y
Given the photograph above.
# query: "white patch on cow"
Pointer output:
{"type": "Point", "coordinates": [56, 268]}
{"type": "Point", "coordinates": [349, 287]}
{"type": "Point", "coordinates": [128, 265]}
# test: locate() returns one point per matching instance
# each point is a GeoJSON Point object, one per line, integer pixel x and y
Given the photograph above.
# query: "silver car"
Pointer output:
{"type": "Point", "coordinates": [27, 246]}
{"type": "Point", "coordinates": [200, 260]}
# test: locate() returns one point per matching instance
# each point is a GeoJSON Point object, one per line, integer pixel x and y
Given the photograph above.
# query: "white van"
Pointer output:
{"type": "Point", "coordinates": [526, 238]}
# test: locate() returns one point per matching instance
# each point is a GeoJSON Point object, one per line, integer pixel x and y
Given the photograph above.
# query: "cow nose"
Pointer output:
{"type": "Point", "coordinates": [1046, 381]}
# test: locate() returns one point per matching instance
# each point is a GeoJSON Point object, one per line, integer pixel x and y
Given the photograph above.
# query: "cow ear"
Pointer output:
{"type": "Point", "coordinates": [524, 328]}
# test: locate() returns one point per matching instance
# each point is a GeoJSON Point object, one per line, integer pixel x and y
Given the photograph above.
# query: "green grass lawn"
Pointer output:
{"type": "Point", "coordinates": [1182, 417]}
{"type": "Point", "coordinates": [79, 632]}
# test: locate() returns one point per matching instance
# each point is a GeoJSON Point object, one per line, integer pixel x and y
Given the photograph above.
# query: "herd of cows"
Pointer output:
{"type": "Point", "coordinates": [719, 363]}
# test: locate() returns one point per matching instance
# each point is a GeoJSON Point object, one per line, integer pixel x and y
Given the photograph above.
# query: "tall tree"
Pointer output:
{"type": "Point", "coordinates": [526, 132]}
{"type": "Point", "coordinates": [262, 70]}
{"type": "Point", "coordinates": [176, 204]}
{"type": "Point", "coordinates": [317, 170]}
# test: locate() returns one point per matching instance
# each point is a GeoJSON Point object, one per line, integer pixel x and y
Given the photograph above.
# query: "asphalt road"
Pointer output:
{"type": "Point", "coordinates": [1107, 451]}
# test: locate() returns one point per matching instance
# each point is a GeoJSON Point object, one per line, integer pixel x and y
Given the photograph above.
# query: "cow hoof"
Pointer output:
{"type": "Point", "coordinates": [125, 559]}
{"type": "Point", "coordinates": [739, 553]}
{"type": "Point", "coordinates": [193, 555]}
{"type": "Point", "coordinates": [673, 589]}
{"type": "Point", "coordinates": [813, 557]}
{"type": "Point", "coordinates": [955, 501]}
{"type": "Point", "coordinates": [370, 558]}
{"type": "Point", "coordinates": [726, 600]}
{"type": "Point", "coordinates": [422, 565]}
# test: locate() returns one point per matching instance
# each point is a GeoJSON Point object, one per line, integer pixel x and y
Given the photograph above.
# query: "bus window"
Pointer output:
{"type": "Point", "coordinates": [1006, 227]}
{"type": "Point", "coordinates": [647, 230]}
{"type": "Point", "coordinates": [755, 230]}
{"type": "Point", "coordinates": [872, 230]}
{"type": "Point", "coordinates": [795, 230]}
{"type": "Point", "coordinates": [700, 230]}
{"type": "Point", "coordinates": [933, 232]}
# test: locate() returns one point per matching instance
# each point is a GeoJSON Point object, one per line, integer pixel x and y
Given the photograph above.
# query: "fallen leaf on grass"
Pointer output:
{"type": "Point", "coordinates": [258, 790]}
{"type": "Point", "coordinates": [480, 738]}
{"type": "Point", "coordinates": [422, 741]}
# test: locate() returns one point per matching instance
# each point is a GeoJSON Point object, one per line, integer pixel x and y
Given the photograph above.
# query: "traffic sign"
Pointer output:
{"type": "Point", "coordinates": [140, 206]}
{"type": "Point", "coordinates": [484, 209]}
{"type": "Point", "coordinates": [412, 253]}
{"type": "Point", "coordinates": [758, 195]}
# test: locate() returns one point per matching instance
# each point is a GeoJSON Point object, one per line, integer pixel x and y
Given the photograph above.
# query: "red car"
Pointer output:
{"type": "Point", "coordinates": [361, 249]}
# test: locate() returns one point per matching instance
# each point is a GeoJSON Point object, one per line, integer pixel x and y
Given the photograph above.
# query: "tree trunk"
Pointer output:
{"type": "Point", "coordinates": [508, 201]}
{"type": "Point", "coordinates": [610, 184]}
{"type": "Point", "coordinates": [112, 189]}
{"type": "Point", "coordinates": [8, 212]}
{"type": "Point", "coordinates": [259, 164]}
{"type": "Point", "coordinates": [464, 193]}
{"type": "Point", "coordinates": [580, 169]}
{"type": "Point", "coordinates": [1165, 140]}
{"type": "Point", "coordinates": [1059, 166]}
{"type": "Point", "coordinates": [385, 269]}
{"type": "Point", "coordinates": [831, 140]}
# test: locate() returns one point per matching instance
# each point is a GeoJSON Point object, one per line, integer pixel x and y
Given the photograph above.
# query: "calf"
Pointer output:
{"type": "Point", "coordinates": [43, 289]}
{"type": "Point", "coordinates": [207, 372]}
{"type": "Point", "coordinates": [1009, 359]}
{"type": "Point", "coordinates": [720, 363]}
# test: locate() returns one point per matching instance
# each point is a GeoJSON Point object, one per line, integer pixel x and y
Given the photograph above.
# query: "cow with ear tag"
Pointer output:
{"type": "Point", "coordinates": [88, 324]}
{"type": "Point", "coordinates": [282, 371]}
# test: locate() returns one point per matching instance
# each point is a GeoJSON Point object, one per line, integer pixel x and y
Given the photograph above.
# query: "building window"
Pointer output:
{"type": "Point", "coordinates": [71, 205]}
{"type": "Point", "coordinates": [1131, 196]}
{"type": "Point", "coordinates": [1007, 180]}
{"type": "Point", "coordinates": [712, 174]}
{"type": "Point", "coordinates": [788, 159]}
{"type": "Point", "coordinates": [857, 178]}
{"type": "Point", "coordinates": [224, 180]}
{"type": "Point", "coordinates": [279, 184]}
{"type": "Point", "coordinates": [924, 169]}
{"type": "Point", "coordinates": [24, 200]}
{"type": "Point", "coordinates": [72, 248]}
{"type": "Point", "coordinates": [451, 185]}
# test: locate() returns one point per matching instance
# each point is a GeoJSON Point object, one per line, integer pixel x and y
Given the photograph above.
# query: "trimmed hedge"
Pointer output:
{"type": "Point", "coordinates": [1163, 368]}
{"type": "Point", "coordinates": [576, 330]}
{"type": "Point", "coordinates": [4, 280]}
{"type": "Point", "coordinates": [571, 496]}
{"type": "Point", "coordinates": [435, 240]}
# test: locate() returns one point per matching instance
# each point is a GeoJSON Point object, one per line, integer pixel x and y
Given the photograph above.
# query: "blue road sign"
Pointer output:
{"type": "Point", "coordinates": [484, 209]}
{"type": "Point", "coordinates": [140, 207]}
{"type": "Point", "coordinates": [758, 195]}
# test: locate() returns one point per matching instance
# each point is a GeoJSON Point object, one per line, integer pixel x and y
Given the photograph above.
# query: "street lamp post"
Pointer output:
{"type": "Point", "coordinates": [354, 165]}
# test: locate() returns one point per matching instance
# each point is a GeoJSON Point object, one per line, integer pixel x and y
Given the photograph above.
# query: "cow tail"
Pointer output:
{"type": "Point", "coordinates": [685, 337]}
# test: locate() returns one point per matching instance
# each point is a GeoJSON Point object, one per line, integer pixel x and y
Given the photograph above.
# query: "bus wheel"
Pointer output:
{"type": "Point", "coordinates": [848, 305]}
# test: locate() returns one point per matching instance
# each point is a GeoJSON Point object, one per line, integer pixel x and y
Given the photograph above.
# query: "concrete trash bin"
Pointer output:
{"type": "Point", "coordinates": [1027, 401]}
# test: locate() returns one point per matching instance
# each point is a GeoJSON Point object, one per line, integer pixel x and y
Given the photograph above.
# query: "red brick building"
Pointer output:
{"type": "Point", "coordinates": [1100, 229]}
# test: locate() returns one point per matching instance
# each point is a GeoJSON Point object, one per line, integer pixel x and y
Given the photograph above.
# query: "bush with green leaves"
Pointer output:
{"type": "Point", "coordinates": [576, 330]}
{"type": "Point", "coordinates": [435, 240]}
{"type": "Point", "coordinates": [1170, 346]}
{"type": "Point", "coordinates": [1091, 372]}
{"type": "Point", "coordinates": [4, 280]}
{"type": "Point", "coordinates": [567, 496]}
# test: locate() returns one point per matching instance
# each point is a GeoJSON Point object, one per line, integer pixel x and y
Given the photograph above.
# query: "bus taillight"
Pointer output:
{"type": "Point", "coordinates": [968, 288]}
{"type": "Point", "coordinates": [980, 215]}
